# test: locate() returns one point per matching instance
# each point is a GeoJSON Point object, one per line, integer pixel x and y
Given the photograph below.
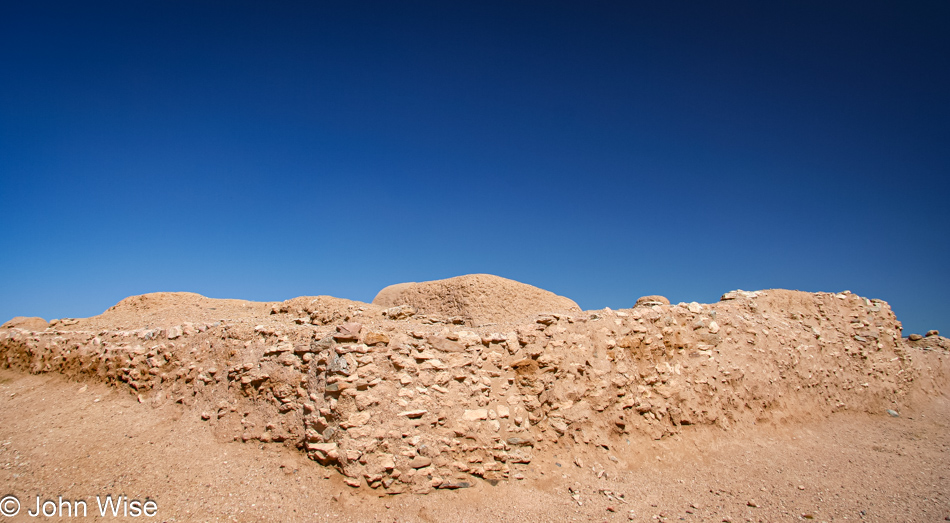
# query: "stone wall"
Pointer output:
{"type": "Point", "coordinates": [406, 405]}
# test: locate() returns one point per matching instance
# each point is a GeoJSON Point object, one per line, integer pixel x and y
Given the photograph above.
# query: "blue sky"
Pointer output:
{"type": "Point", "coordinates": [600, 150]}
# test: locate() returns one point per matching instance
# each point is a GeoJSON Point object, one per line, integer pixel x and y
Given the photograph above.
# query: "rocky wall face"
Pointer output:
{"type": "Point", "coordinates": [405, 406]}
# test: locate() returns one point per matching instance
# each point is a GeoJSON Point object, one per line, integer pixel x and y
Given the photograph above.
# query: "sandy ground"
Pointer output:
{"type": "Point", "coordinates": [80, 440]}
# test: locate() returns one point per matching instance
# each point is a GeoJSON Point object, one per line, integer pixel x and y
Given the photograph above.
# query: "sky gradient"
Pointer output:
{"type": "Point", "coordinates": [599, 150]}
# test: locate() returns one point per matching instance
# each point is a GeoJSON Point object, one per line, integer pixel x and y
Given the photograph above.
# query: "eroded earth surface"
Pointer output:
{"type": "Point", "coordinates": [479, 397]}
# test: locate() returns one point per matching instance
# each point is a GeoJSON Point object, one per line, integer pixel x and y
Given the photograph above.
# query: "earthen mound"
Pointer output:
{"type": "Point", "coordinates": [325, 310]}
{"type": "Point", "coordinates": [25, 323]}
{"type": "Point", "coordinates": [479, 299]}
{"type": "Point", "coordinates": [159, 309]}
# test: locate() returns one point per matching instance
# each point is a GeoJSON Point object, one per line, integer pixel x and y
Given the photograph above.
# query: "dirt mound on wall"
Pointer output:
{"type": "Point", "coordinates": [164, 309]}
{"type": "Point", "coordinates": [478, 299]}
{"type": "Point", "coordinates": [23, 322]}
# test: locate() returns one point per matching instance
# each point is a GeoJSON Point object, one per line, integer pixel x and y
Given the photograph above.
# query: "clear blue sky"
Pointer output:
{"type": "Point", "coordinates": [600, 150]}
